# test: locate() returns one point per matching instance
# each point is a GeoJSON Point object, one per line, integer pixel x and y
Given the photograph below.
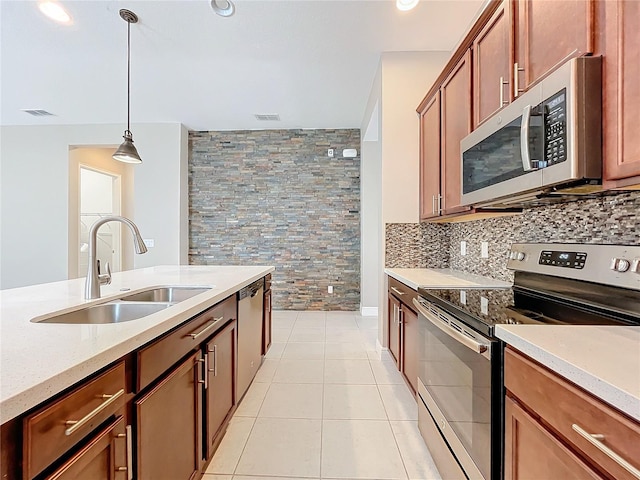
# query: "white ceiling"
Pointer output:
{"type": "Point", "coordinates": [313, 62]}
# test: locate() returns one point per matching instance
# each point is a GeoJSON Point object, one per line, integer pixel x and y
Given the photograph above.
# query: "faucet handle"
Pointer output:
{"type": "Point", "coordinates": [105, 279]}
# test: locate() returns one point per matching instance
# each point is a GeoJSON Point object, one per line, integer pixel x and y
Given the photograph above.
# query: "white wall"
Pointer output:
{"type": "Point", "coordinates": [34, 197]}
{"type": "Point", "coordinates": [406, 78]}
{"type": "Point", "coordinates": [390, 163]}
{"type": "Point", "coordinates": [370, 198]}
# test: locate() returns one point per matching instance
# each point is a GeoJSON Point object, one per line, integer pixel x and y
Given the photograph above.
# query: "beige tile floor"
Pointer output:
{"type": "Point", "coordinates": [324, 405]}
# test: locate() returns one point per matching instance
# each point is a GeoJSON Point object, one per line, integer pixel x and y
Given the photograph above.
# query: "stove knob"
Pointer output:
{"type": "Point", "coordinates": [620, 264]}
{"type": "Point", "coordinates": [512, 255]}
{"type": "Point", "coordinates": [520, 256]}
{"type": "Point", "coordinates": [623, 265]}
{"type": "Point", "coordinates": [635, 265]}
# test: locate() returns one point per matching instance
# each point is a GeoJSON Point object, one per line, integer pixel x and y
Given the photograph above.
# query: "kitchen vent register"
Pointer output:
{"type": "Point", "coordinates": [38, 113]}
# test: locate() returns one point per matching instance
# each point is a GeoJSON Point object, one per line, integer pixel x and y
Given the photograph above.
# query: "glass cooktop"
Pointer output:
{"type": "Point", "coordinates": [482, 309]}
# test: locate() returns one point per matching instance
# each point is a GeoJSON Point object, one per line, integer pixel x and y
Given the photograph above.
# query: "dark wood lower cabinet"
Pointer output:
{"type": "Point", "coordinates": [410, 346]}
{"type": "Point", "coordinates": [169, 424]}
{"type": "Point", "coordinates": [394, 329]}
{"type": "Point", "coordinates": [267, 325]}
{"type": "Point", "coordinates": [220, 389]}
{"type": "Point", "coordinates": [533, 453]}
{"type": "Point", "coordinates": [104, 457]}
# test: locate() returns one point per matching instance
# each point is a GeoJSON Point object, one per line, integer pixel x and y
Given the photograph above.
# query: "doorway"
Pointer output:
{"type": "Point", "coordinates": [98, 187]}
{"type": "Point", "coordinates": [99, 197]}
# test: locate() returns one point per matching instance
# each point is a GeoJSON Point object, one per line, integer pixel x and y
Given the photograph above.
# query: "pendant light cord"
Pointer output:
{"type": "Point", "coordinates": [128, 72]}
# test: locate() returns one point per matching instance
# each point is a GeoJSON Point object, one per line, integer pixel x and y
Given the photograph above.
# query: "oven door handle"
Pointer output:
{"type": "Point", "coordinates": [452, 332]}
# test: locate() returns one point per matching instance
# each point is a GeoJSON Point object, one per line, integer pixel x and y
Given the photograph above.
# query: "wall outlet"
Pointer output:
{"type": "Point", "coordinates": [463, 248]}
{"type": "Point", "coordinates": [484, 250]}
{"type": "Point", "coordinates": [330, 289]}
{"type": "Point", "coordinates": [330, 152]}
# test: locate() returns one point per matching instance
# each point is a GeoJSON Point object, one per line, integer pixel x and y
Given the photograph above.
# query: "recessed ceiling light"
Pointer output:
{"type": "Point", "coordinates": [224, 8]}
{"type": "Point", "coordinates": [55, 11]}
{"type": "Point", "coordinates": [405, 5]}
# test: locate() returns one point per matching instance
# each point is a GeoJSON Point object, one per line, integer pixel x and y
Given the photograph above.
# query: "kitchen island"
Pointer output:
{"type": "Point", "coordinates": [45, 361]}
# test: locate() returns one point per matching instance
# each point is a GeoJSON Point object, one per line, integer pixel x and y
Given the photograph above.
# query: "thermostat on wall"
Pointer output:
{"type": "Point", "coordinates": [349, 153]}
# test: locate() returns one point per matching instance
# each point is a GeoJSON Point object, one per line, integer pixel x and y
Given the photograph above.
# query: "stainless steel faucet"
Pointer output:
{"type": "Point", "coordinates": [94, 280]}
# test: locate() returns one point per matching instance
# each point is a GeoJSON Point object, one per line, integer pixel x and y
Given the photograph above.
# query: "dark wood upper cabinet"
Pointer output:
{"type": "Point", "coordinates": [220, 388]}
{"type": "Point", "coordinates": [546, 34]}
{"type": "Point", "coordinates": [621, 93]}
{"type": "Point", "coordinates": [169, 424]}
{"type": "Point", "coordinates": [430, 158]}
{"type": "Point", "coordinates": [491, 73]}
{"type": "Point", "coordinates": [456, 124]}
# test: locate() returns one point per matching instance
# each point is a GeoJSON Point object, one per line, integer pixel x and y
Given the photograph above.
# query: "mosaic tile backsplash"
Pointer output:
{"type": "Point", "coordinates": [274, 197]}
{"type": "Point", "coordinates": [416, 245]}
{"type": "Point", "coordinates": [611, 219]}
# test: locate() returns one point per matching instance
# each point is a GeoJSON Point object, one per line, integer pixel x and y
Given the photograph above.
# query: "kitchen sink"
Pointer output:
{"type": "Point", "coordinates": [126, 308]}
{"type": "Point", "coordinates": [165, 294]}
{"type": "Point", "coordinates": [112, 312]}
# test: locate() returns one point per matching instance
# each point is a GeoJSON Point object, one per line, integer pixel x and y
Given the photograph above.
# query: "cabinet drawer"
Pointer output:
{"type": "Point", "coordinates": [402, 292]}
{"type": "Point", "coordinates": [156, 358]}
{"type": "Point", "coordinates": [50, 432]}
{"type": "Point", "coordinates": [567, 410]}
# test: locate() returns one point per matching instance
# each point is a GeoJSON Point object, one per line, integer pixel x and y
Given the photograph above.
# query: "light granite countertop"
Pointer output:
{"type": "Point", "coordinates": [604, 360]}
{"type": "Point", "coordinates": [39, 360]}
{"type": "Point", "coordinates": [442, 278]}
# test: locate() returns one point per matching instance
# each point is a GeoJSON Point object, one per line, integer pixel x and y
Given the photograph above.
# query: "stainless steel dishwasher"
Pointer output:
{"type": "Point", "coordinates": [250, 310]}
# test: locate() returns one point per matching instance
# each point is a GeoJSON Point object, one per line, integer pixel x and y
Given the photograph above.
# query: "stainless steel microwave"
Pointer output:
{"type": "Point", "coordinates": [547, 142]}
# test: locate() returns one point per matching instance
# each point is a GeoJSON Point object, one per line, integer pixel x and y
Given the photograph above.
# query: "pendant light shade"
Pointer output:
{"type": "Point", "coordinates": [127, 152]}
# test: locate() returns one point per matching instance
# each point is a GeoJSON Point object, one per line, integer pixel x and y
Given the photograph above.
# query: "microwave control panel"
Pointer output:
{"type": "Point", "coordinates": [555, 128]}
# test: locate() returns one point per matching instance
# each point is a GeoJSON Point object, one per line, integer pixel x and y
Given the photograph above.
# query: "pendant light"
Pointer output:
{"type": "Point", "coordinates": [127, 151]}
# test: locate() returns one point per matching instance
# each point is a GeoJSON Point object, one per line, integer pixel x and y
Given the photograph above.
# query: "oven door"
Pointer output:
{"type": "Point", "coordinates": [460, 389]}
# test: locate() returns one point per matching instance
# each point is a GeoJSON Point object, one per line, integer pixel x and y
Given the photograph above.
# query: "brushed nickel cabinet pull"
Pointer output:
{"type": "Point", "coordinates": [399, 292]}
{"type": "Point", "coordinates": [503, 82]}
{"type": "Point", "coordinates": [210, 324]}
{"type": "Point", "coordinates": [516, 71]}
{"type": "Point", "coordinates": [75, 425]}
{"type": "Point", "coordinates": [214, 370]}
{"type": "Point", "coordinates": [596, 439]}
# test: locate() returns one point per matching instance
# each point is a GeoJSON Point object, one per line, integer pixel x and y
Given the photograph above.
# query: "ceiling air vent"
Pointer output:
{"type": "Point", "coordinates": [38, 113]}
{"type": "Point", "coordinates": [268, 117]}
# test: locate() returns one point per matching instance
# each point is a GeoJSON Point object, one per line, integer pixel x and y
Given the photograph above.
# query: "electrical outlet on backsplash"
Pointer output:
{"type": "Point", "coordinates": [605, 220]}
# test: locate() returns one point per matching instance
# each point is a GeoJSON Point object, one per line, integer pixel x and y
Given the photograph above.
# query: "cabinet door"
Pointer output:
{"type": "Point", "coordinates": [430, 158]}
{"type": "Point", "coordinates": [456, 124]}
{"type": "Point", "coordinates": [104, 457]}
{"type": "Point", "coordinates": [169, 424]}
{"type": "Point", "coordinates": [532, 453]}
{"type": "Point", "coordinates": [621, 90]}
{"type": "Point", "coordinates": [220, 387]}
{"type": "Point", "coordinates": [491, 66]}
{"type": "Point", "coordinates": [266, 326]}
{"type": "Point", "coordinates": [394, 329]}
{"type": "Point", "coordinates": [547, 34]}
{"type": "Point", "coordinates": [410, 339]}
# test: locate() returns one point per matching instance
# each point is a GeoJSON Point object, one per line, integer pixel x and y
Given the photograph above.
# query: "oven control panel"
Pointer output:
{"type": "Point", "coordinates": [556, 258]}
{"type": "Point", "coordinates": [615, 265]}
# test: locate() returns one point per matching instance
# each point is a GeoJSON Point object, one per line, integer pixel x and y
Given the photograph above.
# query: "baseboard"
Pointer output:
{"type": "Point", "coordinates": [369, 311]}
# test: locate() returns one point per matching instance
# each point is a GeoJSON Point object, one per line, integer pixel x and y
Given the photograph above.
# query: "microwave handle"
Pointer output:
{"type": "Point", "coordinates": [524, 139]}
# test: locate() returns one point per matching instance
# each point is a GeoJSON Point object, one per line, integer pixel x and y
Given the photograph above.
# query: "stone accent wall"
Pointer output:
{"type": "Point", "coordinates": [273, 197]}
